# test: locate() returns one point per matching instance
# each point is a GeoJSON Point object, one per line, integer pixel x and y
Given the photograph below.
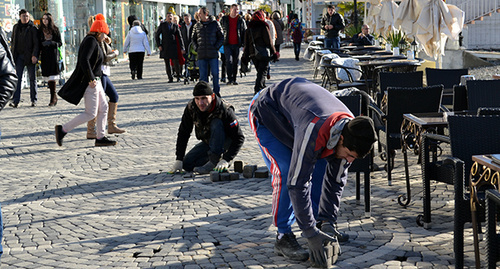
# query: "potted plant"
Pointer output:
{"type": "Point", "coordinates": [397, 39]}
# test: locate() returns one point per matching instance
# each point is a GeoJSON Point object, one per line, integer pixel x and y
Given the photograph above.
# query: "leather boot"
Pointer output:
{"type": "Point", "coordinates": [112, 128]}
{"type": "Point", "coordinates": [53, 95]}
{"type": "Point", "coordinates": [91, 134]}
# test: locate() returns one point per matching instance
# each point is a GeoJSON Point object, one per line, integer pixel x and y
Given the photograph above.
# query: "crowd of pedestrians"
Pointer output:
{"type": "Point", "coordinates": [272, 114]}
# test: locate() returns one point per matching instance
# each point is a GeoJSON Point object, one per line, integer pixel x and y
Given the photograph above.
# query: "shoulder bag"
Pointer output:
{"type": "Point", "coordinates": [261, 53]}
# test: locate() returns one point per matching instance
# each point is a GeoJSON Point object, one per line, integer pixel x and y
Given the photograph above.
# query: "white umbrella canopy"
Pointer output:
{"type": "Point", "coordinates": [436, 22]}
{"type": "Point", "coordinates": [386, 17]}
{"type": "Point", "coordinates": [372, 18]}
{"type": "Point", "coordinates": [407, 14]}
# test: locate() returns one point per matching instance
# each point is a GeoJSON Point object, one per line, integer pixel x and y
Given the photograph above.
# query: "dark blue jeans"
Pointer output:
{"type": "Point", "coordinates": [218, 143]}
{"type": "Point", "coordinates": [204, 65]}
{"type": "Point", "coordinates": [32, 76]}
{"type": "Point", "coordinates": [109, 89]}
{"type": "Point", "coordinates": [296, 49]}
{"type": "Point", "coordinates": [332, 43]}
{"type": "Point", "coordinates": [232, 53]}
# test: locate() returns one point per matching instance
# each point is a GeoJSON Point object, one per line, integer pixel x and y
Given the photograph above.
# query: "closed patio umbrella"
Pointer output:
{"type": "Point", "coordinates": [386, 17]}
{"type": "Point", "coordinates": [372, 18]}
{"type": "Point", "coordinates": [407, 14]}
{"type": "Point", "coordinates": [436, 22]}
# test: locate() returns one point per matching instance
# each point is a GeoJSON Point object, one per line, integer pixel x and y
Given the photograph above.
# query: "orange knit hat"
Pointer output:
{"type": "Point", "coordinates": [99, 25]}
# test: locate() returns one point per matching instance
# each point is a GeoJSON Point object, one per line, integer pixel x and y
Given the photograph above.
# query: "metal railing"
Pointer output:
{"type": "Point", "coordinates": [475, 9]}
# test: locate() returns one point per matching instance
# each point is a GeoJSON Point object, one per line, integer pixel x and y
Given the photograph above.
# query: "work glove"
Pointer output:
{"type": "Point", "coordinates": [317, 253]}
{"type": "Point", "coordinates": [221, 166]}
{"type": "Point", "coordinates": [177, 167]}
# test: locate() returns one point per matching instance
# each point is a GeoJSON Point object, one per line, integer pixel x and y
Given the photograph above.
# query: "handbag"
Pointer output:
{"type": "Point", "coordinates": [261, 53]}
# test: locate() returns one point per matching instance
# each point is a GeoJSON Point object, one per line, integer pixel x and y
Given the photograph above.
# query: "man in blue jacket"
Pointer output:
{"type": "Point", "coordinates": [308, 139]}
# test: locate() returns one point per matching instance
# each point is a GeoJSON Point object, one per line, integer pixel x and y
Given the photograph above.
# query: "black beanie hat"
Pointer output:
{"type": "Point", "coordinates": [202, 88]}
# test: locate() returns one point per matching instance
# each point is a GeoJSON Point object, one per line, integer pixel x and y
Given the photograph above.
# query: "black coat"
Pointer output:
{"type": "Point", "coordinates": [88, 67]}
{"type": "Point", "coordinates": [207, 39]}
{"type": "Point", "coordinates": [201, 121]}
{"type": "Point", "coordinates": [241, 27]}
{"type": "Point", "coordinates": [49, 53]}
{"type": "Point", "coordinates": [27, 41]}
{"type": "Point", "coordinates": [186, 37]}
{"type": "Point", "coordinates": [257, 33]}
{"type": "Point", "coordinates": [336, 20]}
{"type": "Point", "coordinates": [8, 77]}
{"type": "Point", "coordinates": [168, 40]}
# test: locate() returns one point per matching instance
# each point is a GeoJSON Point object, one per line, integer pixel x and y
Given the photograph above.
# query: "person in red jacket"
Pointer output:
{"type": "Point", "coordinates": [308, 139]}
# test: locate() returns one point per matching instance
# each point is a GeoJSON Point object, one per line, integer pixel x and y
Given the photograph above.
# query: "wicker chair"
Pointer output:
{"type": "Point", "coordinates": [364, 165]}
{"type": "Point", "coordinates": [492, 237]}
{"type": "Point", "coordinates": [399, 102]}
{"type": "Point", "coordinates": [333, 82]}
{"type": "Point", "coordinates": [468, 135]}
{"type": "Point", "coordinates": [447, 77]}
{"type": "Point", "coordinates": [483, 93]}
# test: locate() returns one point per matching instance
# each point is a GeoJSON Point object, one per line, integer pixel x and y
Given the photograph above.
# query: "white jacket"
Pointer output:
{"type": "Point", "coordinates": [136, 41]}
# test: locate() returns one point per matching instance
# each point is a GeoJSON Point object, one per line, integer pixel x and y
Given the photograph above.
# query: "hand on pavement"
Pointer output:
{"type": "Point", "coordinates": [222, 166]}
{"type": "Point", "coordinates": [177, 167]}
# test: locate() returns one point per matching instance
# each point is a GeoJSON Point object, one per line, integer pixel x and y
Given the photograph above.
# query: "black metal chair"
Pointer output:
{"type": "Point", "coordinates": [459, 98]}
{"type": "Point", "coordinates": [355, 103]}
{"type": "Point", "coordinates": [395, 79]}
{"type": "Point", "coordinates": [492, 235]}
{"type": "Point", "coordinates": [447, 77]}
{"type": "Point", "coordinates": [395, 67]}
{"type": "Point", "coordinates": [483, 93]}
{"type": "Point", "coordinates": [468, 136]}
{"type": "Point", "coordinates": [332, 81]}
{"type": "Point", "coordinates": [483, 111]}
{"type": "Point", "coordinates": [401, 101]}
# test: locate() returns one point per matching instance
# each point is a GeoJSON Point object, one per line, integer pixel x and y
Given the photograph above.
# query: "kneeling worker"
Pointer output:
{"type": "Point", "coordinates": [215, 125]}
{"type": "Point", "coordinates": [308, 139]}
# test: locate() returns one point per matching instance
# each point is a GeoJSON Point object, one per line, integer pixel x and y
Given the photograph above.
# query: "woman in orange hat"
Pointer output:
{"type": "Point", "coordinates": [85, 83]}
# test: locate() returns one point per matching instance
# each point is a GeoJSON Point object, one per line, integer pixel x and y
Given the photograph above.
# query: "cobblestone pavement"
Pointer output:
{"type": "Point", "coordinates": [80, 206]}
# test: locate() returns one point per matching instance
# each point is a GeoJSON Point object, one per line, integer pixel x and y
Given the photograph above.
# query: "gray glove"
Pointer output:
{"type": "Point", "coordinates": [317, 253]}
{"type": "Point", "coordinates": [177, 167]}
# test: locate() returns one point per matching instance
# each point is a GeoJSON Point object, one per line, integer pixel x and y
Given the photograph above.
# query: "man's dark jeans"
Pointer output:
{"type": "Point", "coordinates": [198, 155]}
{"type": "Point", "coordinates": [32, 76]}
{"type": "Point", "coordinates": [232, 53]}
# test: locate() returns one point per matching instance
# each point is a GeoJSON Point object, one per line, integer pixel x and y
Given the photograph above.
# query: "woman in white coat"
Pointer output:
{"type": "Point", "coordinates": [136, 44]}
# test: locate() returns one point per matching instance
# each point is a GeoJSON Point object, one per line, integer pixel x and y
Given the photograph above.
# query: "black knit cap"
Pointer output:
{"type": "Point", "coordinates": [202, 88]}
{"type": "Point", "coordinates": [362, 135]}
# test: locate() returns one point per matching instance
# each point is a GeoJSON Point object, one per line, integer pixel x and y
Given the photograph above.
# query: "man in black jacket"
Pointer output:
{"type": "Point", "coordinates": [187, 30]}
{"type": "Point", "coordinates": [332, 22]}
{"type": "Point", "coordinates": [25, 49]}
{"type": "Point", "coordinates": [8, 82]}
{"type": "Point", "coordinates": [207, 39]}
{"type": "Point", "coordinates": [362, 38]}
{"type": "Point", "coordinates": [234, 27]}
{"type": "Point", "coordinates": [167, 45]}
{"type": "Point", "coordinates": [215, 125]}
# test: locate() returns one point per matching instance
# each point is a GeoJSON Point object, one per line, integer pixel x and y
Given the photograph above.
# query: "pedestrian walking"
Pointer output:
{"type": "Point", "coordinates": [234, 28]}
{"type": "Point", "coordinates": [215, 125]}
{"type": "Point", "coordinates": [207, 39]}
{"type": "Point", "coordinates": [308, 139]}
{"type": "Point", "coordinates": [25, 48]}
{"type": "Point", "coordinates": [296, 33]}
{"type": "Point", "coordinates": [50, 41]}
{"type": "Point", "coordinates": [258, 35]}
{"type": "Point", "coordinates": [186, 32]}
{"type": "Point", "coordinates": [85, 83]}
{"type": "Point", "coordinates": [167, 44]}
{"type": "Point", "coordinates": [132, 18]}
{"type": "Point", "coordinates": [8, 83]}
{"type": "Point", "coordinates": [136, 44]}
{"type": "Point", "coordinates": [279, 26]}
{"type": "Point", "coordinates": [332, 22]}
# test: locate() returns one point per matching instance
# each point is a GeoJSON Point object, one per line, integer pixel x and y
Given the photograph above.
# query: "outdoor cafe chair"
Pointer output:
{"type": "Point", "coordinates": [391, 67]}
{"type": "Point", "coordinates": [468, 135]}
{"type": "Point", "coordinates": [354, 103]}
{"type": "Point", "coordinates": [483, 93]}
{"type": "Point", "coordinates": [492, 235]}
{"type": "Point", "coordinates": [401, 100]}
{"type": "Point", "coordinates": [396, 79]}
{"type": "Point", "coordinates": [447, 77]}
{"type": "Point", "coordinates": [338, 77]}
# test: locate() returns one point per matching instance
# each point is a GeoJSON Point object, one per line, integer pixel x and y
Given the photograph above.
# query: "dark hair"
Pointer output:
{"type": "Point", "coordinates": [186, 15]}
{"type": "Point", "coordinates": [23, 11]}
{"type": "Point", "coordinates": [234, 5]}
{"type": "Point", "coordinates": [205, 10]}
{"type": "Point", "coordinates": [51, 27]}
{"type": "Point", "coordinates": [331, 6]}
{"type": "Point", "coordinates": [295, 16]}
{"type": "Point", "coordinates": [359, 135]}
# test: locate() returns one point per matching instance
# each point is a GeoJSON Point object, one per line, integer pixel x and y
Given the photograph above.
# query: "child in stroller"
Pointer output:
{"type": "Point", "coordinates": [192, 72]}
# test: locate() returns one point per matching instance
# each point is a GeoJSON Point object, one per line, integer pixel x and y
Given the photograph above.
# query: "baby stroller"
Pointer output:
{"type": "Point", "coordinates": [192, 71]}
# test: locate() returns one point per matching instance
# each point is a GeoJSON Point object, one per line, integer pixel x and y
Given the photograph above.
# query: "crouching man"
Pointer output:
{"type": "Point", "coordinates": [308, 139]}
{"type": "Point", "coordinates": [215, 125]}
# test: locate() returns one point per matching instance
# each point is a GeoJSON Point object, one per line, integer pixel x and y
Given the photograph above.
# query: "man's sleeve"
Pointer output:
{"type": "Point", "coordinates": [235, 133]}
{"type": "Point", "coordinates": [185, 129]}
{"type": "Point", "coordinates": [220, 36]}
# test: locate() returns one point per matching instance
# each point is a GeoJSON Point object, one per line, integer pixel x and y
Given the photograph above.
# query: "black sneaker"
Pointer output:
{"type": "Point", "coordinates": [14, 105]}
{"type": "Point", "coordinates": [289, 247]}
{"type": "Point", "coordinates": [103, 142]}
{"type": "Point", "coordinates": [170, 80]}
{"type": "Point", "coordinates": [331, 229]}
{"type": "Point", "coordinates": [235, 83]}
{"type": "Point", "coordinates": [59, 134]}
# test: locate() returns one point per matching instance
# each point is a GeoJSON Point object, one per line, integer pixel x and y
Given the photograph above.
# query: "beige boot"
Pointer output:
{"type": "Point", "coordinates": [112, 128]}
{"type": "Point", "coordinates": [91, 129]}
